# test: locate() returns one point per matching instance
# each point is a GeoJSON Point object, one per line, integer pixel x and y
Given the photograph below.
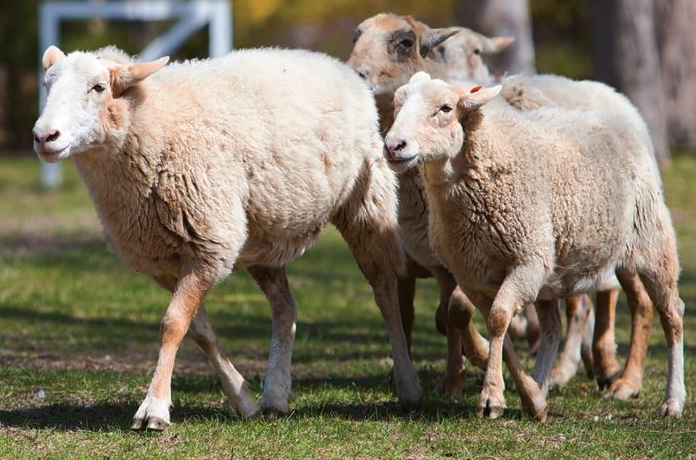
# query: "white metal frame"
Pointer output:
{"type": "Point", "coordinates": [191, 16]}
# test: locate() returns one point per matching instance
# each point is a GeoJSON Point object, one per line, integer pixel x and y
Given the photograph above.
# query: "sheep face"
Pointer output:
{"type": "Point", "coordinates": [430, 120]}
{"type": "Point", "coordinates": [83, 92]}
{"type": "Point", "coordinates": [388, 49]}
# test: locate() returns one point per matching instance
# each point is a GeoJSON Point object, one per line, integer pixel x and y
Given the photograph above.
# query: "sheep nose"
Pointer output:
{"type": "Point", "coordinates": [395, 146]}
{"type": "Point", "coordinates": [47, 137]}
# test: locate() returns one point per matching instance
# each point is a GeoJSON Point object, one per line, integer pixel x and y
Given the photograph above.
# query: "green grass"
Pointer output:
{"type": "Point", "coordinates": [79, 328]}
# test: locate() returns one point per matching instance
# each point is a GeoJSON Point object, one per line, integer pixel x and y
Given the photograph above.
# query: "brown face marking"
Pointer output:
{"type": "Point", "coordinates": [401, 45]}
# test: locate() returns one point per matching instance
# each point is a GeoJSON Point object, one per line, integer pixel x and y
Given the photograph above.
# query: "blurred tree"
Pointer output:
{"type": "Point", "coordinates": [503, 18]}
{"type": "Point", "coordinates": [676, 40]}
{"type": "Point", "coordinates": [626, 57]}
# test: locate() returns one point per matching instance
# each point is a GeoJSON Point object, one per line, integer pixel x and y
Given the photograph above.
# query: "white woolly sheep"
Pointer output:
{"type": "Point", "coordinates": [203, 167]}
{"type": "Point", "coordinates": [529, 93]}
{"type": "Point", "coordinates": [510, 220]}
{"type": "Point", "coordinates": [388, 50]}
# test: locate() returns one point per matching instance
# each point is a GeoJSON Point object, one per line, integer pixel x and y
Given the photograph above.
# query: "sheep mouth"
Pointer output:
{"type": "Point", "coordinates": [402, 160]}
{"type": "Point", "coordinates": [402, 164]}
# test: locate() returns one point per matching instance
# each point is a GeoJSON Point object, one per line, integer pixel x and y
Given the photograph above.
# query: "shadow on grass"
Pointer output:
{"type": "Point", "coordinates": [98, 417]}
{"type": "Point", "coordinates": [117, 416]}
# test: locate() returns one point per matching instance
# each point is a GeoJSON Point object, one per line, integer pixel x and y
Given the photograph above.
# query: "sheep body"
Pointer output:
{"type": "Point", "coordinates": [553, 216]}
{"type": "Point", "coordinates": [203, 167]}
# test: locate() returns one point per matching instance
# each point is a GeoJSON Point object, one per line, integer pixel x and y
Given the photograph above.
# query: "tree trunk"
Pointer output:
{"type": "Point", "coordinates": [502, 18]}
{"type": "Point", "coordinates": [676, 40]}
{"type": "Point", "coordinates": [626, 57]}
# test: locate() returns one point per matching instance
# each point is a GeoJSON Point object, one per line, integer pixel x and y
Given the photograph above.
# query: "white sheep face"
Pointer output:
{"type": "Point", "coordinates": [428, 126]}
{"type": "Point", "coordinates": [77, 87]}
{"type": "Point", "coordinates": [82, 89]}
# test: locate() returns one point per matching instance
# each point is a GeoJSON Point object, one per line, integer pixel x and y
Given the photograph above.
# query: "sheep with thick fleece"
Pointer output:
{"type": "Point", "coordinates": [533, 92]}
{"type": "Point", "coordinates": [510, 219]}
{"type": "Point", "coordinates": [203, 167]}
{"type": "Point", "coordinates": [388, 50]}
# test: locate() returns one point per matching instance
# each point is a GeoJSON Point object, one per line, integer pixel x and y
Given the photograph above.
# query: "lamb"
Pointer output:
{"type": "Point", "coordinates": [509, 218]}
{"type": "Point", "coordinates": [199, 168]}
{"type": "Point", "coordinates": [455, 54]}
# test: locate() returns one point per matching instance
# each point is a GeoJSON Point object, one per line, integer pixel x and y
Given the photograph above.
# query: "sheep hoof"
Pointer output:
{"type": "Point", "coordinates": [560, 376]}
{"type": "Point", "coordinates": [623, 389]}
{"type": "Point", "coordinates": [604, 382]}
{"type": "Point", "coordinates": [671, 408]}
{"type": "Point", "coordinates": [157, 424]}
{"type": "Point", "coordinates": [489, 408]}
{"type": "Point", "coordinates": [137, 424]}
{"type": "Point", "coordinates": [272, 413]}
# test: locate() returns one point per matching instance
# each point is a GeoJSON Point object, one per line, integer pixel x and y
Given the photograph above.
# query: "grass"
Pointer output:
{"type": "Point", "coordinates": [79, 332]}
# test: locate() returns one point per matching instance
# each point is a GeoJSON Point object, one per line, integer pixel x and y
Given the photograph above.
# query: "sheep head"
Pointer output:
{"type": "Point", "coordinates": [388, 49]}
{"type": "Point", "coordinates": [430, 120]}
{"type": "Point", "coordinates": [85, 92]}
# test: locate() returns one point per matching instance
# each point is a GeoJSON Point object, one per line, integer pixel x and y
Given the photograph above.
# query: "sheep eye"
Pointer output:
{"type": "Point", "coordinates": [477, 51]}
{"type": "Point", "coordinates": [445, 108]}
{"type": "Point", "coordinates": [98, 88]}
{"type": "Point", "coordinates": [406, 43]}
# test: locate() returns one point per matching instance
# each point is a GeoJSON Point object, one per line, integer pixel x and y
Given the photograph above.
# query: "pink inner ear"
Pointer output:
{"type": "Point", "coordinates": [475, 89]}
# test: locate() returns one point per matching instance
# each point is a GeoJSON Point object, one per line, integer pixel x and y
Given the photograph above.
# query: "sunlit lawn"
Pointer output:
{"type": "Point", "coordinates": [79, 332]}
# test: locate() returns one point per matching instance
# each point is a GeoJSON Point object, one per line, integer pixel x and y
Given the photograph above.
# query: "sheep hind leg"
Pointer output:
{"type": "Point", "coordinates": [606, 368]}
{"type": "Point", "coordinates": [234, 385]}
{"type": "Point", "coordinates": [550, 322]}
{"type": "Point", "coordinates": [660, 283]}
{"type": "Point", "coordinates": [630, 383]}
{"type": "Point", "coordinates": [278, 381]}
{"type": "Point", "coordinates": [367, 221]}
{"type": "Point", "coordinates": [577, 312]}
{"type": "Point", "coordinates": [191, 288]}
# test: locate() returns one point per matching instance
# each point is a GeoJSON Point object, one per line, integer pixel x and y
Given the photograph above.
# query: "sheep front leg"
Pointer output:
{"type": "Point", "coordinates": [191, 288]}
{"type": "Point", "coordinates": [520, 286]}
{"type": "Point", "coordinates": [277, 384]}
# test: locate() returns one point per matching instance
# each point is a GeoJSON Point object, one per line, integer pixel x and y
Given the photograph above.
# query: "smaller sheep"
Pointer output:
{"type": "Point", "coordinates": [509, 193]}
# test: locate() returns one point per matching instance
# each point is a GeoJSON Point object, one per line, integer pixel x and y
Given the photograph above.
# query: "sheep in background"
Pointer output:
{"type": "Point", "coordinates": [199, 168]}
{"type": "Point", "coordinates": [510, 218]}
{"type": "Point", "coordinates": [388, 49]}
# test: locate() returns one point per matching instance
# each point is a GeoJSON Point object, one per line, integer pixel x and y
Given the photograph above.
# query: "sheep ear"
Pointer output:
{"type": "Point", "coordinates": [434, 37]}
{"type": "Point", "coordinates": [419, 77]}
{"type": "Point", "coordinates": [473, 98]}
{"type": "Point", "coordinates": [124, 77]}
{"type": "Point", "coordinates": [51, 56]}
{"type": "Point", "coordinates": [497, 44]}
